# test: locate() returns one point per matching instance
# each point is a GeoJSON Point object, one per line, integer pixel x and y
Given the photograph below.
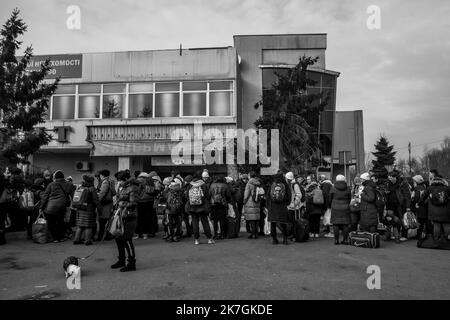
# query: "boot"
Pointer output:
{"type": "Point", "coordinates": [285, 241]}
{"type": "Point", "coordinates": [131, 265]}
{"type": "Point", "coordinates": [275, 241]}
{"type": "Point", "coordinates": [119, 264]}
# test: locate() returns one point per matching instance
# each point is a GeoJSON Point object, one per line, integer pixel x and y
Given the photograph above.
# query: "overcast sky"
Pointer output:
{"type": "Point", "coordinates": [399, 75]}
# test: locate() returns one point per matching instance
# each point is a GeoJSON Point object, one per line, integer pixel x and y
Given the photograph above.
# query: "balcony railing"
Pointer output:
{"type": "Point", "coordinates": [146, 132]}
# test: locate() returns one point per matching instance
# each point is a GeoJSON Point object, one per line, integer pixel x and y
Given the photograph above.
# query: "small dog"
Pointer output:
{"type": "Point", "coordinates": [71, 266]}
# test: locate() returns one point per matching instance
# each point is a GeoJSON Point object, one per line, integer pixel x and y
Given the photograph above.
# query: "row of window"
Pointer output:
{"type": "Point", "coordinates": [142, 100]}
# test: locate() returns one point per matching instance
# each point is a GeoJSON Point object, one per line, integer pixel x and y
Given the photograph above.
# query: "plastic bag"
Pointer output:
{"type": "Point", "coordinates": [39, 230]}
{"type": "Point", "coordinates": [266, 223]}
{"type": "Point", "coordinates": [231, 212]}
{"type": "Point", "coordinates": [116, 227]}
{"type": "Point", "coordinates": [409, 220]}
{"type": "Point", "coordinates": [327, 218]}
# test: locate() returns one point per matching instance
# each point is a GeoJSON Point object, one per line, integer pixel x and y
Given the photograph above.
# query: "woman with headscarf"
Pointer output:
{"type": "Point", "coordinates": [86, 215]}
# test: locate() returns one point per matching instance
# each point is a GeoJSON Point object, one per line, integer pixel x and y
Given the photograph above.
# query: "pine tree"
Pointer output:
{"type": "Point", "coordinates": [24, 98]}
{"type": "Point", "coordinates": [289, 107]}
{"type": "Point", "coordinates": [384, 157]}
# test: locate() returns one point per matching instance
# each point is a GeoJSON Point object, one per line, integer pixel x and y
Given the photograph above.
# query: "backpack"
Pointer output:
{"type": "Point", "coordinates": [439, 197]}
{"type": "Point", "coordinates": [318, 198]}
{"type": "Point", "coordinates": [217, 197]}
{"type": "Point", "coordinates": [380, 200]}
{"type": "Point", "coordinates": [80, 198]}
{"type": "Point", "coordinates": [27, 200]}
{"type": "Point", "coordinates": [196, 195]}
{"type": "Point", "coordinates": [278, 192]}
{"type": "Point", "coordinates": [175, 199]}
{"type": "Point", "coordinates": [258, 194]}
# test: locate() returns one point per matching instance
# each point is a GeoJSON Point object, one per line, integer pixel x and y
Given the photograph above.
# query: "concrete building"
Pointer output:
{"type": "Point", "coordinates": [118, 110]}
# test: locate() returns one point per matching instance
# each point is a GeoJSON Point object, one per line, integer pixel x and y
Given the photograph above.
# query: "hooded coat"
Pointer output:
{"type": "Point", "coordinates": [204, 207]}
{"type": "Point", "coordinates": [437, 213]}
{"type": "Point", "coordinates": [252, 209]}
{"type": "Point", "coordinates": [340, 197]}
{"type": "Point", "coordinates": [369, 211]}
{"type": "Point", "coordinates": [421, 210]}
{"type": "Point", "coordinates": [105, 198]}
{"type": "Point", "coordinates": [127, 197]}
{"type": "Point", "coordinates": [311, 208]}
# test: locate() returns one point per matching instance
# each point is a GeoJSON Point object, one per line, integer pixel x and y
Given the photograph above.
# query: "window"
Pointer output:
{"type": "Point", "coordinates": [89, 101]}
{"type": "Point", "coordinates": [167, 99]}
{"type": "Point", "coordinates": [112, 106]}
{"type": "Point", "coordinates": [167, 105]}
{"type": "Point", "coordinates": [326, 122]}
{"type": "Point", "coordinates": [63, 107]}
{"type": "Point", "coordinates": [140, 105]}
{"type": "Point", "coordinates": [331, 103]}
{"type": "Point", "coordinates": [194, 99]}
{"type": "Point", "coordinates": [220, 104]}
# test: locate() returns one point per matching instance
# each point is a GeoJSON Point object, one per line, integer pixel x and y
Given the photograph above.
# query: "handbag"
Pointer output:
{"type": "Point", "coordinates": [116, 227]}
{"type": "Point", "coordinates": [67, 214]}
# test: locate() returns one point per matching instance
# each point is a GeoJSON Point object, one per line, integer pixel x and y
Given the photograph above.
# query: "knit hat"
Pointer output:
{"type": "Point", "coordinates": [418, 179]}
{"type": "Point", "coordinates": [290, 176]}
{"type": "Point", "coordinates": [365, 176]}
{"type": "Point", "coordinates": [205, 174]}
{"type": "Point", "coordinates": [58, 175]}
{"type": "Point", "coordinates": [244, 176]}
{"type": "Point", "coordinates": [69, 178]}
{"type": "Point", "coordinates": [340, 177]}
{"type": "Point", "coordinates": [229, 179]}
{"type": "Point", "coordinates": [188, 178]}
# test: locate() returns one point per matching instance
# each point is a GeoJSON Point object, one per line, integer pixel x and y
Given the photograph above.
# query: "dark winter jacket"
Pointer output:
{"type": "Point", "coordinates": [128, 196]}
{"type": "Point", "coordinates": [223, 189]}
{"type": "Point", "coordinates": [56, 197]}
{"type": "Point", "coordinates": [437, 213]}
{"type": "Point", "coordinates": [420, 210]}
{"type": "Point", "coordinates": [369, 212]}
{"type": "Point", "coordinates": [204, 207]}
{"type": "Point", "coordinates": [147, 190]}
{"type": "Point", "coordinates": [311, 208]}
{"type": "Point", "coordinates": [326, 187]}
{"type": "Point", "coordinates": [399, 197]}
{"type": "Point", "coordinates": [239, 190]}
{"type": "Point", "coordinates": [340, 197]}
{"type": "Point", "coordinates": [174, 191]}
{"type": "Point", "coordinates": [105, 198]}
{"type": "Point", "coordinates": [278, 212]}
{"type": "Point", "coordinates": [252, 209]}
{"type": "Point", "coordinates": [87, 218]}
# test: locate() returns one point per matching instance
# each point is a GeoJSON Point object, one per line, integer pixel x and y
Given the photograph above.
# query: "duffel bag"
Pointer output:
{"type": "Point", "coordinates": [364, 239]}
{"type": "Point", "coordinates": [39, 230]}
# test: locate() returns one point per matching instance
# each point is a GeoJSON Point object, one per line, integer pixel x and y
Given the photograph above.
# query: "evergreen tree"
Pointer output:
{"type": "Point", "coordinates": [289, 107]}
{"type": "Point", "coordinates": [24, 98]}
{"type": "Point", "coordinates": [385, 157]}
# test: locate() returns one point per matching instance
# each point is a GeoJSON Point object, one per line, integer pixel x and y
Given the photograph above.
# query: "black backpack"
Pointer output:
{"type": "Point", "coordinates": [380, 200]}
{"type": "Point", "coordinates": [439, 196]}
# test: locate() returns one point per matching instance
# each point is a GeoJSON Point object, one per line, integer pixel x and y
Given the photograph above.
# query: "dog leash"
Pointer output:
{"type": "Point", "coordinates": [98, 245]}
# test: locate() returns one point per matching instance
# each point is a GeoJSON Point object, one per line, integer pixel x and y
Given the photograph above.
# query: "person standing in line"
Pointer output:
{"type": "Point", "coordinates": [326, 185]}
{"type": "Point", "coordinates": [437, 195]}
{"type": "Point", "coordinates": [220, 197]}
{"type": "Point", "coordinates": [197, 205]}
{"type": "Point", "coordinates": [185, 214]}
{"type": "Point", "coordinates": [127, 197]}
{"type": "Point", "coordinates": [340, 197]}
{"type": "Point", "coordinates": [54, 203]}
{"type": "Point", "coordinates": [279, 198]}
{"type": "Point", "coordinates": [252, 207]}
{"type": "Point", "coordinates": [313, 211]}
{"type": "Point", "coordinates": [86, 213]}
{"type": "Point", "coordinates": [369, 211]}
{"type": "Point", "coordinates": [295, 203]}
{"type": "Point", "coordinates": [239, 190]}
{"type": "Point", "coordinates": [105, 198]}
{"type": "Point", "coordinates": [420, 210]}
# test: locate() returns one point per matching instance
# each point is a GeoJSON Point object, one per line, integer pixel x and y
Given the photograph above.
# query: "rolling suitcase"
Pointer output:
{"type": "Point", "coordinates": [231, 228]}
{"type": "Point", "coordinates": [364, 239]}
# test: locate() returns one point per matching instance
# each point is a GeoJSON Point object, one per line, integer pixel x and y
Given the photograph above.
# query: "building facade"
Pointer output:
{"type": "Point", "coordinates": [119, 110]}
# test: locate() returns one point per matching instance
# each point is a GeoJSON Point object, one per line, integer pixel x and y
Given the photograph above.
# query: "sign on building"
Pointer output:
{"type": "Point", "coordinates": [61, 65]}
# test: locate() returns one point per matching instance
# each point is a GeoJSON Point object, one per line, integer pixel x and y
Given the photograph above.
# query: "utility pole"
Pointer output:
{"type": "Point", "coordinates": [409, 151]}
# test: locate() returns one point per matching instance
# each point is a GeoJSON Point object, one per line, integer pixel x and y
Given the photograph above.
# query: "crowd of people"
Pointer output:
{"type": "Point", "coordinates": [176, 205]}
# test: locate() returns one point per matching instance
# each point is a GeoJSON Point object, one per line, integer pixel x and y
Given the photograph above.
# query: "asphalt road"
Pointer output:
{"type": "Point", "coordinates": [231, 269]}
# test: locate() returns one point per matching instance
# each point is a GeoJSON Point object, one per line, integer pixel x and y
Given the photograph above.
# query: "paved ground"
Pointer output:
{"type": "Point", "coordinates": [230, 269]}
